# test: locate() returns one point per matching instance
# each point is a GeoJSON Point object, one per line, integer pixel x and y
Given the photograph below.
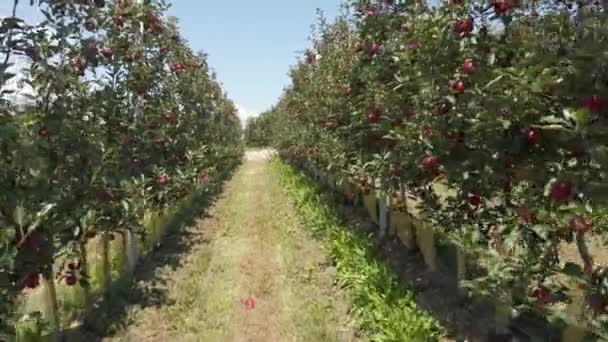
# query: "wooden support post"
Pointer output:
{"type": "Point", "coordinates": [425, 237]}
{"type": "Point", "coordinates": [49, 308]}
{"type": "Point", "coordinates": [383, 215]}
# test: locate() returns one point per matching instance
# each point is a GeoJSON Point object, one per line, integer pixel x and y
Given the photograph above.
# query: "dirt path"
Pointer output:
{"type": "Point", "coordinates": [250, 247]}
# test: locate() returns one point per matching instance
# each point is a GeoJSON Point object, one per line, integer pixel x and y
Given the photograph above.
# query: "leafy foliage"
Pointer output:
{"type": "Point", "coordinates": [124, 119]}
{"type": "Point", "coordinates": [257, 131]}
{"type": "Point", "coordinates": [504, 107]}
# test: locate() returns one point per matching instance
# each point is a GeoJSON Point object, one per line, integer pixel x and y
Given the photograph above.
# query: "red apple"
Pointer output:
{"type": "Point", "coordinates": [562, 191]}
{"type": "Point", "coordinates": [373, 117]}
{"type": "Point", "coordinates": [475, 199]}
{"type": "Point", "coordinates": [79, 66]}
{"type": "Point", "coordinates": [468, 66]}
{"type": "Point", "coordinates": [579, 224]}
{"type": "Point", "coordinates": [70, 280]}
{"type": "Point", "coordinates": [43, 132]}
{"type": "Point", "coordinates": [542, 295]}
{"type": "Point", "coordinates": [459, 86]}
{"type": "Point", "coordinates": [373, 49]}
{"type": "Point", "coordinates": [501, 7]}
{"type": "Point", "coordinates": [464, 25]}
{"type": "Point", "coordinates": [444, 108]}
{"type": "Point", "coordinates": [32, 281]}
{"type": "Point", "coordinates": [162, 180]}
{"type": "Point", "coordinates": [178, 67]}
{"type": "Point", "coordinates": [430, 163]}
{"type": "Point", "coordinates": [168, 116]}
{"type": "Point", "coordinates": [595, 103]}
{"type": "Point", "coordinates": [107, 53]}
{"type": "Point", "coordinates": [532, 135]}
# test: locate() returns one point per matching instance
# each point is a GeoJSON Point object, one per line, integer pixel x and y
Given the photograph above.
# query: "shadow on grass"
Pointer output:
{"type": "Point", "coordinates": [110, 315]}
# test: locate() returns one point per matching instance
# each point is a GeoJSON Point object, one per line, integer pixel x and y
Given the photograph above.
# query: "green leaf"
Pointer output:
{"type": "Point", "coordinates": [573, 270]}
{"type": "Point", "coordinates": [541, 230]}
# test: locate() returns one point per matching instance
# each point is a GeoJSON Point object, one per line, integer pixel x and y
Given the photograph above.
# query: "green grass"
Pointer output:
{"type": "Point", "coordinates": [382, 308]}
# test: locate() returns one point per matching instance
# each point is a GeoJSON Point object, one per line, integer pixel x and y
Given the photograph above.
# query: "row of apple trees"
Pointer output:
{"type": "Point", "coordinates": [122, 118]}
{"type": "Point", "coordinates": [503, 101]}
{"type": "Point", "coordinates": [256, 133]}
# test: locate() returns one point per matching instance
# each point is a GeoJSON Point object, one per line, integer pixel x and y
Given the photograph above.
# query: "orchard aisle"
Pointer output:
{"type": "Point", "coordinates": [254, 275]}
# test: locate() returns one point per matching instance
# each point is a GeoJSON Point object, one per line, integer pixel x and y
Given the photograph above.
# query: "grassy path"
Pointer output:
{"type": "Point", "coordinates": [251, 245]}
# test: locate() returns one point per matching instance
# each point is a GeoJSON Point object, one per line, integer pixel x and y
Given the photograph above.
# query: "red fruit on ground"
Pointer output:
{"type": "Point", "coordinates": [468, 66]}
{"type": "Point", "coordinates": [430, 163]}
{"type": "Point", "coordinates": [579, 224]}
{"type": "Point", "coordinates": [459, 86]}
{"type": "Point", "coordinates": [249, 303]}
{"type": "Point", "coordinates": [562, 191]}
{"type": "Point", "coordinates": [595, 103]}
{"type": "Point", "coordinates": [32, 281]}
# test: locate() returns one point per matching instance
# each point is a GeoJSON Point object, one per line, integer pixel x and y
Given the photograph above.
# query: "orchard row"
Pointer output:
{"type": "Point", "coordinates": [505, 108]}
{"type": "Point", "coordinates": [121, 119]}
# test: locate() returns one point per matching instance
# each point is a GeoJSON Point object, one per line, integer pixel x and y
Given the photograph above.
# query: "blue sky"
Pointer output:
{"type": "Point", "coordinates": [251, 44]}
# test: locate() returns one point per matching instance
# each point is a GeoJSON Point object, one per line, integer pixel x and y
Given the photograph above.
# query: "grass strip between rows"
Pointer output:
{"type": "Point", "coordinates": [382, 308]}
